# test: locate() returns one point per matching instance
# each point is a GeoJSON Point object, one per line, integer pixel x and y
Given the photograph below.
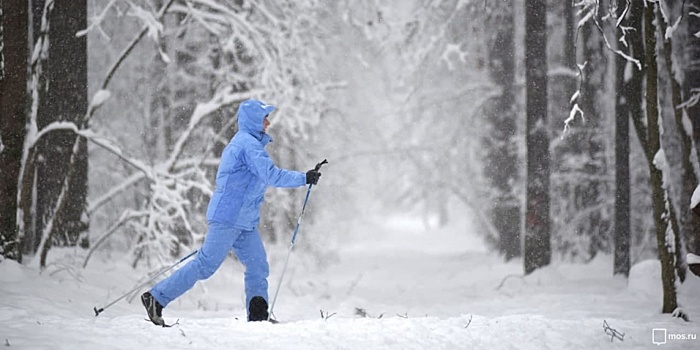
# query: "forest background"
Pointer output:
{"type": "Point", "coordinates": [567, 129]}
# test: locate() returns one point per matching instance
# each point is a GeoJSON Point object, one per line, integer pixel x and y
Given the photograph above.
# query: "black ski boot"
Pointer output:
{"type": "Point", "coordinates": [257, 310]}
{"type": "Point", "coordinates": [153, 309]}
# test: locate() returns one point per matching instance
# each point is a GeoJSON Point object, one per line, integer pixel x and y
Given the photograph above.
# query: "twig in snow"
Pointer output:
{"type": "Point", "coordinates": [325, 316]}
{"type": "Point", "coordinates": [68, 269]}
{"type": "Point", "coordinates": [470, 321]}
{"type": "Point", "coordinates": [503, 281]}
{"type": "Point", "coordinates": [405, 315]}
{"type": "Point", "coordinates": [7, 342]}
{"type": "Point", "coordinates": [363, 313]}
{"type": "Point", "coordinates": [183, 333]}
{"type": "Point", "coordinates": [613, 333]}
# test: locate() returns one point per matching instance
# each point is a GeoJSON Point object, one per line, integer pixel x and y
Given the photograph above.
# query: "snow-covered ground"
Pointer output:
{"type": "Point", "coordinates": [392, 286]}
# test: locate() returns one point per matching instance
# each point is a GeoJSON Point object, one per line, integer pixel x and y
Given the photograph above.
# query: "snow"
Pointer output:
{"type": "Point", "coordinates": [419, 288]}
{"type": "Point", "coordinates": [693, 259]}
{"type": "Point", "coordinates": [695, 198]}
{"type": "Point", "coordinates": [99, 98]}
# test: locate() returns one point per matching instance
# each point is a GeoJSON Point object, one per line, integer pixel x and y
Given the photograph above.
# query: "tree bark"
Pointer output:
{"type": "Point", "coordinates": [687, 223]}
{"type": "Point", "coordinates": [14, 41]}
{"type": "Point", "coordinates": [659, 197]}
{"type": "Point", "coordinates": [65, 99]}
{"type": "Point", "coordinates": [588, 188]}
{"type": "Point", "coordinates": [537, 246]}
{"type": "Point", "coordinates": [691, 87]}
{"type": "Point", "coordinates": [54, 189]}
{"type": "Point", "coordinates": [627, 102]}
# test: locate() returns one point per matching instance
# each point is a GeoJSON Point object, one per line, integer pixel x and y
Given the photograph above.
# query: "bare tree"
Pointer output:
{"type": "Point", "coordinates": [537, 248]}
{"type": "Point", "coordinates": [628, 102]}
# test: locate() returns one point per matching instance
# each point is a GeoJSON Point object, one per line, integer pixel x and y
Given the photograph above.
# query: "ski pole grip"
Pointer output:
{"type": "Point", "coordinates": [319, 165]}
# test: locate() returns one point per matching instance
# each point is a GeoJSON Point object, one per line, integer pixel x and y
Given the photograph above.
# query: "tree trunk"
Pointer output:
{"type": "Point", "coordinates": [14, 44]}
{"type": "Point", "coordinates": [537, 248]}
{"type": "Point", "coordinates": [65, 100]}
{"type": "Point", "coordinates": [54, 186]}
{"type": "Point", "coordinates": [578, 211]}
{"type": "Point", "coordinates": [659, 201]}
{"type": "Point", "coordinates": [589, 188]}
{"type": "Point", "coordinates": [30, 233]}
{"type": "Point", "coordinates": [627, 102]}
{"type": "Point", "coordinates": [687, 223]}
{"type": "Point", "coordinates": [691, 87]}
{"type": "Point", "coordinates": [622, 175]}
{"type": "Point", "coordinates": [502, 160]}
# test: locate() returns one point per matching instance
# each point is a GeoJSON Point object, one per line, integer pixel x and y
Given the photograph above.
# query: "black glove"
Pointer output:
{"type": "Point", "coordinates": [312, 176]}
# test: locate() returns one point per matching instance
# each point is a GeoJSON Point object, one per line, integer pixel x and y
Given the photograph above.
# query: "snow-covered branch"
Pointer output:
{"type": "Point", "coordinates": [125, 53]}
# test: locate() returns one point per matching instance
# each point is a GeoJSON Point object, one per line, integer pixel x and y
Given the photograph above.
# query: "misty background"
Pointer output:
{"type": "Point", "coordinates": [387, 94]}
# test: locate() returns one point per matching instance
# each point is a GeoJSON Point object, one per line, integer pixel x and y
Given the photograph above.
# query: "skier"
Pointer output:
{"type": "Point", "coordinates": [244, 173]}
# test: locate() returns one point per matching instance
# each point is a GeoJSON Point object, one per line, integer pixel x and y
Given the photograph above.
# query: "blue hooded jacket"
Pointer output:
{"type": "Point", "coordinates": [246, 170]}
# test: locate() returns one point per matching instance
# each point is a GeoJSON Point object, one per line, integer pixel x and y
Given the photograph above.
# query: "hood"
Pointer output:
{"type": "Point", "coordinates": [250, 116]}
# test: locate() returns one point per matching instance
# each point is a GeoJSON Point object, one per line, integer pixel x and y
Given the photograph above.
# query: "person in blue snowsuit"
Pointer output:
{"type": "Point", "coordinates": [244, 174]}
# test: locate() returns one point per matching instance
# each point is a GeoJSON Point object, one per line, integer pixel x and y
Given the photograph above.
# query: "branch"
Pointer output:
{"type": "Point", "coordinates": [100, 201]}
{"type": "Point", "coordinates": [325, 316]}
{"type": "Point", "coordinates": [614, 334]}
{"type": "Point", "coordinates": [96, 20]}
{"type": "Point", "coordinates": [125, 218]}
{"type": "Point", "coordinates": [128, 49]}
{"type": "Point", "coordinates": [503, 281]}
{"type": "Point", "coordinates": [692, 100]}
{"type": "Point", "coordinates": [363, 313]}
{"type": "Point", "coordinates": [620, 53]}
{"type": "Point", "coordinates": [623, 14]}
{"type": "Point", "coordinates": [470, 321]}
{"type": "Point", "coordinates": [102, 142]}
{"type": "Point", "coordinates": [48, 232]}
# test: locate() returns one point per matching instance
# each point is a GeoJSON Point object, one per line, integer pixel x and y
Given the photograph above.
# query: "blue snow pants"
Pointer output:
{"type": "Point", "coordinates": [220, 239]}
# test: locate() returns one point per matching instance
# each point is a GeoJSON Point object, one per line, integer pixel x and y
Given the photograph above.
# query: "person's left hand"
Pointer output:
{"type": "Point", "coordinates": [312, 177]}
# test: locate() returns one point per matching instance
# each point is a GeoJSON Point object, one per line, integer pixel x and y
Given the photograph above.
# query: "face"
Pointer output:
{"type": "Point", "coordinates": [266, 123]}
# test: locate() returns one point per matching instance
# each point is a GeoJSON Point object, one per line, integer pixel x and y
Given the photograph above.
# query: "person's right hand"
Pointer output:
{"type": "Point", "coordinates": [312, 177]}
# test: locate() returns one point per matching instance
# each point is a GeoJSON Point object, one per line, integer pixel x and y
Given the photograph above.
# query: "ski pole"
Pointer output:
{"type": "Point", "coordinates": [99, 311]}
{"type": "Point", "coordinates": [291, 245]}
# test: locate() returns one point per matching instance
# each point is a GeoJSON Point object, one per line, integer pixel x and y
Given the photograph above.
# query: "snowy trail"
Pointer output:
{"type": "Point", "coordinates": [420, 289]}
